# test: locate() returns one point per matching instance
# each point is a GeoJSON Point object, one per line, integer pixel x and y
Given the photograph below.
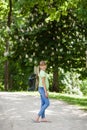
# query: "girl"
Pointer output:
{"type": "Point", "coordinates": [43, 90]}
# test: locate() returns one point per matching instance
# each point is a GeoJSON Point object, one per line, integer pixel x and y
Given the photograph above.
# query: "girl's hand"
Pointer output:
{"type": "Point", "coordinates": [46, 94]}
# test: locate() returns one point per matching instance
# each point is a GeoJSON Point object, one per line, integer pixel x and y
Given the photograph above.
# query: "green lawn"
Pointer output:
{"type": "Point", "coordinates": [71, 99]}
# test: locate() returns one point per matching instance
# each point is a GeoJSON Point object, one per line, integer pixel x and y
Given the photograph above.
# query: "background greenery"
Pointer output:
{"type": "Point", "coordinates": [52, 30]}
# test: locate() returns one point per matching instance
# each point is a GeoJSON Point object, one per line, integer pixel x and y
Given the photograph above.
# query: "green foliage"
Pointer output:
{"type": "Point", "coordinates": [84, 86]}
{"type": "Point", "coordinates": [19, 74]}
{"type": "Point", "coordinates": [39, 29]}
{"type": "Point", "coordinates": [3, 9]}
{"type": "Point", "coordinates": [82, 10]}
{"type": "Point", "coordinates": [1, 87]}
{"type": "Point", "coordinates": [55, 37]}
{"type": "Point", "coordinates": [60, 7]}
{"type": "Point", "coordinates": [72, 83]}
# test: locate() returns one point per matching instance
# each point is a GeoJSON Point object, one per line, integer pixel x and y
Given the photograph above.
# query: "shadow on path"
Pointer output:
{"type": "Point", "coordinates": [18, 109]}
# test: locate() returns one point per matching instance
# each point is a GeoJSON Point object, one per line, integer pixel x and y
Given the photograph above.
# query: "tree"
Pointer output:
{"type": "Point", "coordinates": [48, 30]}
{"type": "Point", "coordinates": [4, 34]}
{"type": "Point", "coordinates": [7, 47]}
{"type": "Point", "coordinates": [54, 41]}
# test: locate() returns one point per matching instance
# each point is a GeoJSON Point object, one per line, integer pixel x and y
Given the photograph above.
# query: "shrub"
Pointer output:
{"type": "Point", "coordinates": [84, 86]}
{"type": "Point", "coordinates": [72, 83]}
{"type": "Point", "coordinates": [1, 87]}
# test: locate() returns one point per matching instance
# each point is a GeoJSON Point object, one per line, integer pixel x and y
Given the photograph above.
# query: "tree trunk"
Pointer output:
{"type": "Point", "coordinates": [6, 76]}
{"type": "Point", "coordinates": [6, 86]}
{"type": "Point", "coordinates": [36, 71]}
{"type": "Point", "coordinates": [55, 84]}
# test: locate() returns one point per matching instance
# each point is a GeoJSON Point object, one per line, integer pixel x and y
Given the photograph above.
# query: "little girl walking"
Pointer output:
{"type": "Point", "coordinates": [43, 90]}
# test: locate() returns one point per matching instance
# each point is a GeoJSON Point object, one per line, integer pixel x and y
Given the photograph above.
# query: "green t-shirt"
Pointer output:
{"type": "Point", "coordinates": [41, 75]}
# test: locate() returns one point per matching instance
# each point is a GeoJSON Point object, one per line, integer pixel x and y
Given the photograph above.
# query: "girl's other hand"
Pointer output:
{"type": "Point", "coordinates": [46, 94]}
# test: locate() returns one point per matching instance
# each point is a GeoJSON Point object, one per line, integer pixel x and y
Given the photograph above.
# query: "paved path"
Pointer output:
{"type": "Point", "coordinates": [18, 109]}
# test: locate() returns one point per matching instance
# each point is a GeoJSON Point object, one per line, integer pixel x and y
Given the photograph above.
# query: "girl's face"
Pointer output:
{"type": "Point", "coordinates": [43, 67]}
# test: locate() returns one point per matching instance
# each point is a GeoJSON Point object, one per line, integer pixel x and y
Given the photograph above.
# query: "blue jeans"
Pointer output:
{"type": "Point", "coordinates": [44, 102]}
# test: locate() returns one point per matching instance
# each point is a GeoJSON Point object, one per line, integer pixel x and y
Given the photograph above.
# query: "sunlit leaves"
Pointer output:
{"type": "Point", "coordinates": [33, 36]}
{"type": "Point", "coordinates": [3, 9]}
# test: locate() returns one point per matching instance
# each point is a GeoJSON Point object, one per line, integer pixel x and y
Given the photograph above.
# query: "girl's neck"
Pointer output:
{"type": "Point", "coordinates": [43, 69]}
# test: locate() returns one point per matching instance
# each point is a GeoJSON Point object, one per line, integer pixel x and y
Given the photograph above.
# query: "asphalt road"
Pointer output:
{"type": "Point", "coordinates": [18, 109]}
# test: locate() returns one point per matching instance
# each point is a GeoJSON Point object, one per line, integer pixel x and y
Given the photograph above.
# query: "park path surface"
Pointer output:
{"type": "Point", "coordinates": [18, 109]}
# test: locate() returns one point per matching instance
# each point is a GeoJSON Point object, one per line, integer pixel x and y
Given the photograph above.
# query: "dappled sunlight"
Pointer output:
{"type": "Point", "coordinates": [12, 98]}
{"type": "Point", "coordinates": [62, 108]}
{"type": "Point", "coordinates": [48, 112]}
{"type": "Point", "coordinates": [17, 109]}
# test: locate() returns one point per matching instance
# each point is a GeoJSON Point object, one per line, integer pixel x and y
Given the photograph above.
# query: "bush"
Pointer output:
{"type": "Point", "coordinates": [72, 83]}
{"type": "Point", "coordinates": [1, 87]}
{"type": "Point", "coordinates": [84, 87]}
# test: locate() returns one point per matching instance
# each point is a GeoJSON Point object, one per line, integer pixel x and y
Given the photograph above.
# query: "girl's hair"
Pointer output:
{"type": "Point", "coordinates": [42, 63]}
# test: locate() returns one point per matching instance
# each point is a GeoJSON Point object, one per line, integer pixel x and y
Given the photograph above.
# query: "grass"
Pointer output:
{"type": "Point", "coordinates": [71, 99]}
{"type": "Point", "coordinates": [80, 101]}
